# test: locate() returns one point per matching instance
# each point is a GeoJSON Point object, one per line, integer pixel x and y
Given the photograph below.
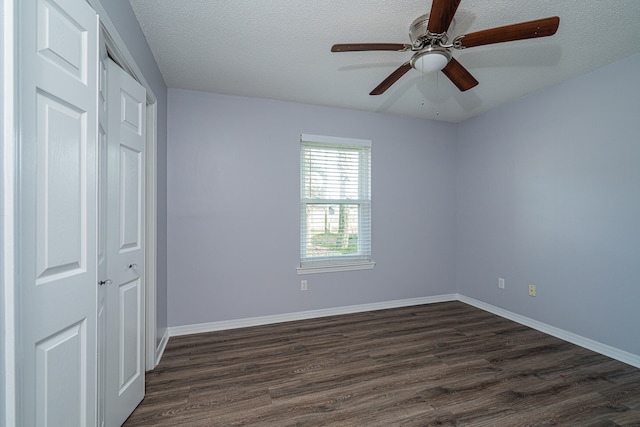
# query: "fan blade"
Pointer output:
{"type": "Point", "coordinates": [525, 30]}
{"type": "Point", "coordinates": [358, 47]}
{"type": "Point", "coordinates": [393, 77]}
{"type": "Point", "coordinates": [459, 75]}
{"type": "Point", "coordinates": [441, 15]}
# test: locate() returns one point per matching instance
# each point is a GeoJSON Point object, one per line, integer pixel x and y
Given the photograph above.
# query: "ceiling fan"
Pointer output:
{"type": "Point", "coordinates": [432, 52]}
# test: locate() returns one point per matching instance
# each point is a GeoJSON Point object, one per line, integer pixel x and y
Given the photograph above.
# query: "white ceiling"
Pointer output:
{"type": "Point", "coordinates": [280, 49]}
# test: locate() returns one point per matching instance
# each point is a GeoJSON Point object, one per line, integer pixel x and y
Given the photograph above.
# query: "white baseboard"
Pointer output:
{"type": "Point", "coordinates": [614, 353]}
{"type": "Point", "coordinates": [303, 315]}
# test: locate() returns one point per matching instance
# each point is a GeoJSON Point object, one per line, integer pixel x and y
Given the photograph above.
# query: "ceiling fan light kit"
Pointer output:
{"type": "Point", "coordinates": [430, 59]}
{"type": "Point", "coordinates": [429, 38]}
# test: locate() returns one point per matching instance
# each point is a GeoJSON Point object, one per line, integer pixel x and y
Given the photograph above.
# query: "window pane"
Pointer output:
{"type": "Point", "coordinates": [331, 174]}
{"type": "Point", "coordinates": [332, 229]}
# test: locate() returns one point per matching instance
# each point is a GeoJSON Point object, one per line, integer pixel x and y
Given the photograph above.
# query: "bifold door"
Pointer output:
{"type": "Point", "coordinates": [81, 223]}
{"type": "Point", "coordinates": [126, 106]}
{"type": "Point", "coordinates": [58, 48]}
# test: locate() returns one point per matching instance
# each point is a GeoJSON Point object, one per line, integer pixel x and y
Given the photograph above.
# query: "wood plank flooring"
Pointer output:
{"type": "Point", "coordinates": [446, 364]}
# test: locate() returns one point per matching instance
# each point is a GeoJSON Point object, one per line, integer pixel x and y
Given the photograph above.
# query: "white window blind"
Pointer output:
{"type": "Point", "coordinates": [335, 211]}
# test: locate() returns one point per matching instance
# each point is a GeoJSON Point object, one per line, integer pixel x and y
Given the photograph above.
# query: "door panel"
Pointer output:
{"type": "Point", "coordinates": [125, 249]}
{"type": "Point", "coordinates": [61, 377]}
{"type": "Point", "coordinates": [57, 211]}
{"type": "Point", "coordinates": [62, 215]}
{"type": "Point", "coordinates": [131, 204]}
{"type": "Point", "coordinates": [62, 38]}
{"type": "Point", "coordinates": [128, 334]}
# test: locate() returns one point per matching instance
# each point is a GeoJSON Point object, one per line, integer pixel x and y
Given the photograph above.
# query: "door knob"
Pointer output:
{"type": "Point", "coordinates": [105, 282]}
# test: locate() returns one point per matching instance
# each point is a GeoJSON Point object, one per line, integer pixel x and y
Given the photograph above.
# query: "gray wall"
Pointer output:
{"type": "Point", "coordinates": [122, 16]}
{"type": "Point", "coordinates": [233, 208]}
{"type": "Point", "coordinates": [549, 194]}
{"type": "Point", "coordinates": [542, 191]}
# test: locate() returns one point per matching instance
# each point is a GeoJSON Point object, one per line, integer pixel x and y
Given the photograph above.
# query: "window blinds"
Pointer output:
{"type": "Point", "coordinates": [335, 193]}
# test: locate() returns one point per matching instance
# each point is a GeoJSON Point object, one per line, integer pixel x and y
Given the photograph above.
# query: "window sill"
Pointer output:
{"type": "Point", "coordinates": [335, 268]}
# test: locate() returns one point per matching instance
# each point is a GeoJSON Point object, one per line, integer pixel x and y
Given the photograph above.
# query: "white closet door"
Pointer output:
{"type": "Point", "coordinates": [125, 244]}
{"type": "Point", "coordinates": [57, 203]}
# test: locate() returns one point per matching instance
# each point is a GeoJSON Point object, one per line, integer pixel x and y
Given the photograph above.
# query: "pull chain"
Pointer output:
{"type": "Point", "coordinates": [422, 85]}
{"type": "Point", "coordinates": [437, 90]}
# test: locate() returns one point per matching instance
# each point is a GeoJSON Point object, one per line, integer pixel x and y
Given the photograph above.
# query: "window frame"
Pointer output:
{"type": "Point", "coordinates": [362, 260]}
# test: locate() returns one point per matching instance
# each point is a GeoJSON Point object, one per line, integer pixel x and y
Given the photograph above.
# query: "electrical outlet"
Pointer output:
{"type": "Point", "coordinates": [500, 282]}
{"type": "Point", "coordinates": [303, 285]}
{"type": "Point", "coordinates": [532, 290]}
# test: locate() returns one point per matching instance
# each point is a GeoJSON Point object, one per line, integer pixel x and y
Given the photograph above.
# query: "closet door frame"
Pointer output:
{"type": "Point", "coordinates": [8, 213]}
{"type": "Point", "coordinates": [119, 52]}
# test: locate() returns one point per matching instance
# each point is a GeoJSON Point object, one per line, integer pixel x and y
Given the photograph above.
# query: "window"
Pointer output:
{"type": "Point", "coordinates": [335, 204]}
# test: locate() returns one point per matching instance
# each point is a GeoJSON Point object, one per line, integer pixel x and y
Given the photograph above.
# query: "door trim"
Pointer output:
{"type": "Point", "coordinates": [120, 53]}
{"type": "Point", "coordinates": [8, 250]}
{"type": "Point", "coordinates": [151, 229]}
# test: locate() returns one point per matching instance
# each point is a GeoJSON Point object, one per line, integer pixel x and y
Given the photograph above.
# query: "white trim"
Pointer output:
{"type": "Point", "coordinates": [335, 140]}
{"type": "Point", "coordinates": [151, 238]}
{"type": "Point", "coordinates": [362, 148]}
{"type": "Point", "coordinates": [163, 344]}
{"type": "Point", "coordinates": [333, 268]}
{"type": "Point", "coordinates": [8, 384]}
{"type": "Point", "coordinates": [614, 353]}
{"type": "Point", "coordinates": [303, 315]}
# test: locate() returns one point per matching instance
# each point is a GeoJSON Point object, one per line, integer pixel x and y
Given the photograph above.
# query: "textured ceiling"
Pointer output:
{"type": "Point", "coordinates": [280, 49]}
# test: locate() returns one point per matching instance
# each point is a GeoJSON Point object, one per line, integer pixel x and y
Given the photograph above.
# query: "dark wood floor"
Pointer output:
{"type": "Point", "coordinates": [446, 364]}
